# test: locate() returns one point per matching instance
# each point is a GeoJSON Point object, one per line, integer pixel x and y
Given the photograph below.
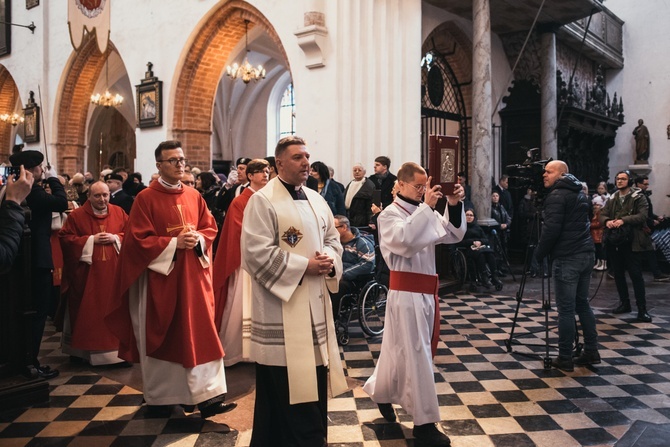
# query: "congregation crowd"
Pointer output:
{"type": "Point", "coordinates": [197, 271]}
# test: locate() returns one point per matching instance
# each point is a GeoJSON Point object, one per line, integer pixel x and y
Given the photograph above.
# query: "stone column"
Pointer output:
{"type": "Point", "coordinates": [548, 113]}
{"type": "Point", "coordinates": [482, 156]}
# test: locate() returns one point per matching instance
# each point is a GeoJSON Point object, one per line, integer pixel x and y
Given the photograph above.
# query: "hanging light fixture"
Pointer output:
{"type": "Point", "coordinates": [12, 118]}
{"type": "Point", "coordinates": [107, 99]}
{"type": "Point", "coordinates": [246, 71]}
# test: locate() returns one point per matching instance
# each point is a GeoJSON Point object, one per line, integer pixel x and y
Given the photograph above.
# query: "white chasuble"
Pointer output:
{"type": "Point", "coordinates": [292, 322]}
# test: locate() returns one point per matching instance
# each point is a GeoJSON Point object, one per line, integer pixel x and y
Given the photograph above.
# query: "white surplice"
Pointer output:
{"type": "Point", "coordinates": [404, 372]}
{"type": "Point", "coordinates": [235, 333]}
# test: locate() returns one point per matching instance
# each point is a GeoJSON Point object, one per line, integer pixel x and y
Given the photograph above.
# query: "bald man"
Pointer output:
{"type": "Point", "coordinates": [566, 239]}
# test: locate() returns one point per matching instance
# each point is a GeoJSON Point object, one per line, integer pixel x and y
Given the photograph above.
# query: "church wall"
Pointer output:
{"type": "Point", "coordinates": [644, 86]}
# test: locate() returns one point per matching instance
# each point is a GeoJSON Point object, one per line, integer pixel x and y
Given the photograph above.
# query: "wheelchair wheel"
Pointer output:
{"type": "Point", "coordinates": [458, 267]}
{"type": "Point", "coordinates": [372, 308]}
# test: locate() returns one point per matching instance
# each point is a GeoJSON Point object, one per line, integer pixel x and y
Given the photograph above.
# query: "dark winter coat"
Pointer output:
{"type": "Point", "coordinates": [634, 211]}
{"type": "Point", "coordinates": [566, 228]}
{"type": "Point", "coordinates": [360, 210]}
{"type": "Point", "coordinates": [11, 230]}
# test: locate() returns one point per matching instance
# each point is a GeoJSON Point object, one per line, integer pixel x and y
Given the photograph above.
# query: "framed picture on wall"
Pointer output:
{"type": "Point", "coordinates": [149, 100]}
{"type": "Point", "coordinates": [5, 34]}
{"type": "Point", "coordinates": [32, 3]}
{"type": "Point", "coordinates": [31, 125]}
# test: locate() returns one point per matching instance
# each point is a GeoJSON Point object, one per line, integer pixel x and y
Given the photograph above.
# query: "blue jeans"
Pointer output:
{"type": "Point", "coordinates": [572, 276]}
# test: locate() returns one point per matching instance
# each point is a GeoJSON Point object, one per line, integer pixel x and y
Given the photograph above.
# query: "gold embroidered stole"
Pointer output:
{"type": "Point", "coordinates": [296, 312]}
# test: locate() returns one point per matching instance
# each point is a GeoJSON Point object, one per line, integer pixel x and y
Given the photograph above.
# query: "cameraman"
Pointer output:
{"type": "Point", "coordinates": [12, 217]}
{"type": "Point", "coordinates": [566, 238]}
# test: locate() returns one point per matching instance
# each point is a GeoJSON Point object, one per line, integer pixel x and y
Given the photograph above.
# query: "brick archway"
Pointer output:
{"type": "Point", "coordinates": [201, 71]}
{"type": "Point", "coordinates": [75, 98]}
{"type": "Point", "coordinates": [9, 94]}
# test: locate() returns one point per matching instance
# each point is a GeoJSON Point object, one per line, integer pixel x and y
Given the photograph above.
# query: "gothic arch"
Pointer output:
{"type": "Point", "coordinates": [9, 96]}
{"type": "Point", "coordinates": [200, 71]}
{"type": "Point", "coordinates": [80, 78]}
{"type": "Point", "coordinates": [453, 48]}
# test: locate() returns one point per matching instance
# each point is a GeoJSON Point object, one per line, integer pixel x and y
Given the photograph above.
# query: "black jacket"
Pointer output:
{"type": "Point", "coordinates": [11, 230]}
{"type": "Point", "coordinates": [505, 199]}
{"type": "Point", "coordinates": [566, 229]}
{"type": "Point", "coordinates": [385, 184]}
{"type": "Point", "coordinates": [360, 211]}
{"type": "Point", "coordinates": [122, 199]}
{"type": "Point", "coordinates": [42, 204]}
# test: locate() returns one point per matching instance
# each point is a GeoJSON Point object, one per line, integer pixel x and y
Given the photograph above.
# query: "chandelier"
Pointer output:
{"type": "Point", "coordinates": [246, 71]}
{"type": "Point", "coordinates": [12, 118]}
{"type": "Point", "coordinates": [107, 99]}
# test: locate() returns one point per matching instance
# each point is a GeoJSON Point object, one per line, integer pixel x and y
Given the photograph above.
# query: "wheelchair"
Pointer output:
{"type": "Point", "coordinates": [368, 303]}
{"type": "Point", "coordinates": [463, 268]}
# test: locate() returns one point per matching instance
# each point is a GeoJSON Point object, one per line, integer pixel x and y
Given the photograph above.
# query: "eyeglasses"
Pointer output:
{"type": "Point", "coordinates": [418, 187]}
{"type": "Point", "coordinates": [176, 161]}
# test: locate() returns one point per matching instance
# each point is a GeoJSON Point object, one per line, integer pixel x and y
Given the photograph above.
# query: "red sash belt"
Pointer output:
{"type": "Point", "coordinates": [420, 283]}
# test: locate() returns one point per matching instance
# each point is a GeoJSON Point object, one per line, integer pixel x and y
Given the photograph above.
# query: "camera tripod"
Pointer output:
{"type": "Point", "coordinates": [546, 304]}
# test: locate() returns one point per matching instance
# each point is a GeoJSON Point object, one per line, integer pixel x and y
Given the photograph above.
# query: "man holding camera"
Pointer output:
{"type": "Point", "coordinates": [12, 217]}
{"type": "Point", "coordinates": [566, 239]}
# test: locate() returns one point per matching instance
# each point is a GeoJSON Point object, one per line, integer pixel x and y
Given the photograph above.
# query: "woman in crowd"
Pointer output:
{"type": "Point", "coordinates": [328, 190]}
{"type": "Point", "coordinates": [208, 186]}
{"type": "Point", "coordinates": [478, 249]}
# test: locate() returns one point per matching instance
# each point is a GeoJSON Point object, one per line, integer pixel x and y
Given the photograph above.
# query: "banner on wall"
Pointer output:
{"type": "Point", "coordinates": [89, 16]}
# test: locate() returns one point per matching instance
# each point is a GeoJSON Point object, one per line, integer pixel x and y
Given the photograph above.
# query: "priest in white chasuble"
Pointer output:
{"type": "Point", "coordinates": [164, 316]}
{"type": "Point", "coordinates": [292, 251]}
{"type": "Point", "coordinates": [409, 229]}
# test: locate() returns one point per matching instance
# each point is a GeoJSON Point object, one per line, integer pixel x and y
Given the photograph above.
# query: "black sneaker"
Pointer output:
{"type": "Point", "coordinates": [587, 358]}
{"type": "Point", "coordinates": [622, 308]}
{"type": "Point", "coordinates": [564, 364]}
{"type": "Point", "coordinates": [429, 435]}
{"type": "Point", "coordinates": [662, 278]}
{"type": "Point", "coordinates": [47, 373]}
{"type": "Point", "coordinates": [643, 317]}
{"type": "Point", "coordinates": [216, 408]}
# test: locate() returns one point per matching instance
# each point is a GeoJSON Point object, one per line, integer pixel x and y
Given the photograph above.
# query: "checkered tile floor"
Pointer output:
{"type": "Point", "coordinates": [488, 397]}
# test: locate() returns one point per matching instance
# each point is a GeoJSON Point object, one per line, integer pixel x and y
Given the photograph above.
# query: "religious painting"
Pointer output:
{"type": "Point", "coordinates": [149, 100]}
{"type": "Point", "coordinates": [32, 3]}
{"type": "Point", "coordinates": [5, 32]}
{"type": "Point", "coordinates": [443, 161]}
{"type": "Point", "coordinates": [31, 125]}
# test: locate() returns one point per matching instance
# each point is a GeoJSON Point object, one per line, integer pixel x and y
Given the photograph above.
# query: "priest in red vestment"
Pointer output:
{"type": "Point", "coordinates": [165, 314]}
{"type": "Point", "coordinates": [232, 285]}
{"type": "Point", "coordinates": [90, 241]}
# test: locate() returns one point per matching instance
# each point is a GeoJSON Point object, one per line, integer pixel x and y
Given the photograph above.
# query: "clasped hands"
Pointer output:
{"type": "Point", "coordinates": [615, 223]}
{"type": "Point", "coordinates": [320, 264]}
{"type": "Point", "coordinates": [187, 239]}
{"type": "Point", "coordinates": [104, 238]}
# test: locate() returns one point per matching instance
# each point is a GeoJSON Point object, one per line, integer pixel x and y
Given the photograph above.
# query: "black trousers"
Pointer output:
{"type": "Point", "coordinates": [277, 423]}
{"type": "Point", "coordinates": [623, 259]}
{"type": "Point", "coordinates": [42, 282]}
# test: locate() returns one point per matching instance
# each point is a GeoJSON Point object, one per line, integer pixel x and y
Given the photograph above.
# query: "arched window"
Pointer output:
{"type": "Point", "coordinates": [287, 113]}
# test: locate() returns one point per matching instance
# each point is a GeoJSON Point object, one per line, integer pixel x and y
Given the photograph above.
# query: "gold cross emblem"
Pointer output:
{"type": "Point", "coordinates": [182, 226]}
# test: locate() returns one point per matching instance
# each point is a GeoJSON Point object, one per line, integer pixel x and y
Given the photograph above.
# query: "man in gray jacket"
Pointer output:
{"type": "Point", "coordinates": [566, 239]}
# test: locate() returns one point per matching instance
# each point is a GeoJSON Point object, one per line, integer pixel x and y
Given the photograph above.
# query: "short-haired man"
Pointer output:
{"type": "Point", "coordinates": [291, 250]}
{"type": "Point", "coordinates": [502, 188]}
{"type": "Point", "coordinates": [188, 179]}
{"type": "Point", "coordinates": [628, 207]}
{"type": "Point", "coordinates": [165, 312]}
{"type": "Point", "coordinates": [566, 239]}
{"type": "Point", "coordinates": [232, 189]}
{"type": "Point", "coordinates": [358, 197]}
{"type": "Point", "coordinates": [408, 232]}
{"type": "Point", "coordinates": [383, 179]}
{"type": "Point", "coordinates": [118, 196]}
{"type": "Point", "coordinates": [358, 259]}
{"type": "Point", "coordinates": [653, 220]}
{"type": "Point", "coordinates": [91, 239]}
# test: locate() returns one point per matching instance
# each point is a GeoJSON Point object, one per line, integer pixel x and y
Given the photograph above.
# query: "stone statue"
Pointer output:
{"type": "Point", "coordinates": [641, 143]}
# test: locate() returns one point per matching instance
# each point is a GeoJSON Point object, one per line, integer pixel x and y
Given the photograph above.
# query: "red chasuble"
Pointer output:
{"type": "Point", "coordinates": [228, 254]}
{"type": "Point", "coordinates": [88, 289]}
{"type": "Point", "coordinates": [180, 306]}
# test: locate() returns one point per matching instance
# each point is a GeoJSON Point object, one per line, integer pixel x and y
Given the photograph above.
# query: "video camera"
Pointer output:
{"type": "Point", "coordinates": [529, 174]}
